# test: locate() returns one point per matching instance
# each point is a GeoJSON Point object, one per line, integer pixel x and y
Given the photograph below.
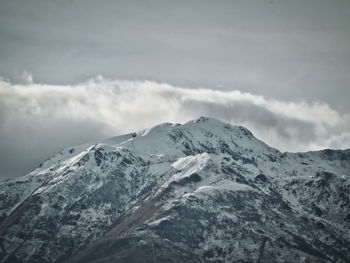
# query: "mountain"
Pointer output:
{"type": "Point", "coordinates": [204, 191]}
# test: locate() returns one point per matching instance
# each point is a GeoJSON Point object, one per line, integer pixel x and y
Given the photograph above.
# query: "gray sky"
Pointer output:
{"type": "Point", "coordinates": [286, 51]}
{"type": "Point", "coordinates": [296, 49]}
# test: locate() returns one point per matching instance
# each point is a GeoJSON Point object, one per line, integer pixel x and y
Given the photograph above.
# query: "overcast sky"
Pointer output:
{"type": "Point", "coordinates": [281, 68]}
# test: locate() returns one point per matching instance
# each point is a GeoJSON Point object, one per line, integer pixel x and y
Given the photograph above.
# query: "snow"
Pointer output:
{"type": "Point", "coordinates": [190, 165]}
{"type": "Point", "coordinates": [224, 185]}
{"type": "Point", "coordinates": [158, 221]}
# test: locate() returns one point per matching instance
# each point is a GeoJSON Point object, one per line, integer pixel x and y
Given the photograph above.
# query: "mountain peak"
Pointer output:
{"type": "Point", "coordinates": [212, 123]}
{"type": "Point", "coordinates": [206, 119]}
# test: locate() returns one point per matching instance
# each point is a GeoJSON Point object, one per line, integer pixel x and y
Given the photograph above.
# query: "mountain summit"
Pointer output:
{"type": "Point", "coordinates": [204, 191]}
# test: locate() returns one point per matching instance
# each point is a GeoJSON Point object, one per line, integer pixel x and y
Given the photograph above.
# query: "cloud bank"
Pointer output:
{"type": "Point", "coordinates": [39, 119]}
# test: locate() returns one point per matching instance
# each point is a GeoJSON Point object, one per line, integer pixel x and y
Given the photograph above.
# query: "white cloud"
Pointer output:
{"type": "Point", "coordinates": [39, 119]}
{"type": "Point", "coordinates": [27, 77]}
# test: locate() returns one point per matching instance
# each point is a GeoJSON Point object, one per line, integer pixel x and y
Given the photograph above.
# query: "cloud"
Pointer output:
{"type": "Point", "coordinates": [38, 120]}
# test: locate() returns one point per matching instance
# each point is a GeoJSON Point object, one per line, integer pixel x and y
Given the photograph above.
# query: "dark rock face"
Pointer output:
{"type": "Point", "coordinates": [204, 191]}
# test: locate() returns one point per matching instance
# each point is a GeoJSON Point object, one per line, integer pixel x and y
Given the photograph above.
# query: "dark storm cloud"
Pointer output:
{"type": "Point", "coordinates": [37, 120]}
{"type": "Point", "coordinates": [282, 49]}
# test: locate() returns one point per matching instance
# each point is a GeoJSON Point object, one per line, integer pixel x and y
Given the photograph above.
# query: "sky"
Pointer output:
{"type": "Point", "coordinates": [80, 70]}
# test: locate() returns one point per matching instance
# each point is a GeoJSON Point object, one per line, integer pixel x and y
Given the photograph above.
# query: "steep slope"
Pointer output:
{"type": "Point", "coordinates": [204, 191]}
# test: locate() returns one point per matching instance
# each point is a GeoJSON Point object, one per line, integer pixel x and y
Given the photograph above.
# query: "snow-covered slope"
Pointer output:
{"type": "Point", "coordinates": [204, 191]}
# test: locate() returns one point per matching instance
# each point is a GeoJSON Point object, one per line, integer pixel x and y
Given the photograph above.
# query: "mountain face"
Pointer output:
{"type": "Point", "coordinates": [204, 191]}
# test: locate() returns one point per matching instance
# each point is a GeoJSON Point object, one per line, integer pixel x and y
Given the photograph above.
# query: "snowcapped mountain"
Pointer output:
{"type": "Point", "coordinates": [204, 191]}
